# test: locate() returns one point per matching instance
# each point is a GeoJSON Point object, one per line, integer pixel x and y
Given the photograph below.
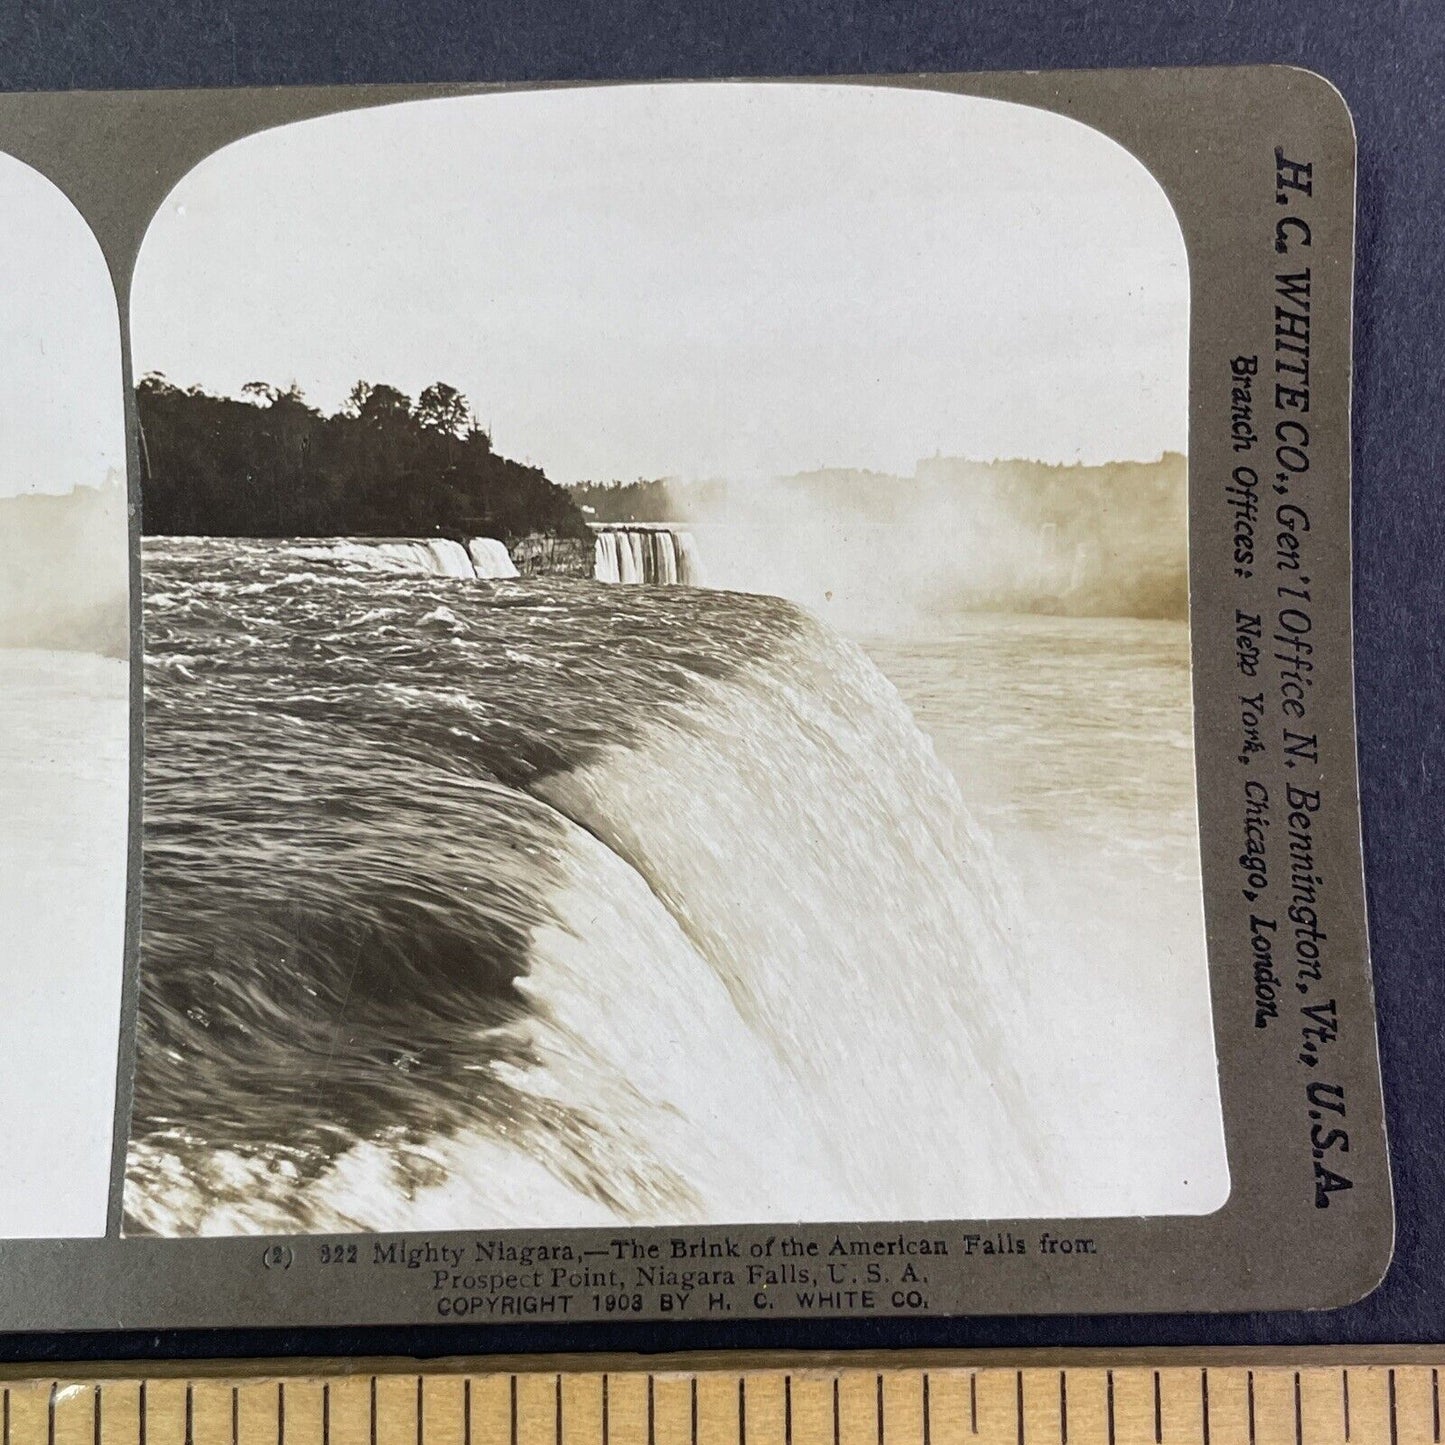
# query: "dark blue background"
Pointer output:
{"type": "Point", "coordinates": [1388, 58]}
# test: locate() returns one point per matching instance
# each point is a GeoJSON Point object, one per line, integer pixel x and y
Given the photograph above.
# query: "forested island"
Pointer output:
{"type": "Point", "coordinates": [269, 464]}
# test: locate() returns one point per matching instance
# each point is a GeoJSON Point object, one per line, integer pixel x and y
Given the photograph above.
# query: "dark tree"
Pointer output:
{"type": "Point", "coordinates": [442, 408]}
{"type": "Point", "coordinates": [271, 465]}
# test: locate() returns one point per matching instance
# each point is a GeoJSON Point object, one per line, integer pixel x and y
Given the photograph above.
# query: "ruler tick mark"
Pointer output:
{"type": "Point", "coordinates": [1265, 1414]}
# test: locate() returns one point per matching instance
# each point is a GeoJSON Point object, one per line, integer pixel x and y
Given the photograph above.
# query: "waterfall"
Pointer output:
{"type": "Point", "coordinates": [450, 559]}
{"type": "Point", "coordinates": [646, 552]}
{"type": "Point", "coordinates": [393, 556]}
{"type": "Point", "coordinates": [689, 562]}
{"type": "Point", "coordinates": [491, 559]}
{"type": "Point", "coordinates": [575, 989]}
{"type": "Point", "coordinates": [482, 558]}
{"type": "Point", "coordinates": [607, 568]}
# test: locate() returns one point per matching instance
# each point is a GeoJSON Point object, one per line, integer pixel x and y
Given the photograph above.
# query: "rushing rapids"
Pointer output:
{"type": "Point", "coordinates": [646, 552]}
{"type": "Point", "coordinates": [547, 903]}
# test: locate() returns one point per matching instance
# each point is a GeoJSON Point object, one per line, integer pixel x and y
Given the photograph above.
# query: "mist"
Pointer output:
{"type": "Point", "coordinates": [65, 575]}
{"type": "Point", "coordinates": [881, 555]}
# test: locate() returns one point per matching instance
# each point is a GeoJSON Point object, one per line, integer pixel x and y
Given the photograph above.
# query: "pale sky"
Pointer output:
{"type": "Point", "coordinates": [62, 423]}
{"type": "Point", "coordinates": [699, 280]}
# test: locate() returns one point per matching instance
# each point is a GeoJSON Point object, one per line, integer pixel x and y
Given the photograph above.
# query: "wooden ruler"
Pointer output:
{"type": "Point", "coordinates": [943, 1401]}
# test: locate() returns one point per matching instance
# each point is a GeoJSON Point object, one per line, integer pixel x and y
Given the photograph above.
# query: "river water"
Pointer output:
{"type": "Point", "coordinates": [484, 903]}
{"type": "Point", "coordinates": [1071, 740]}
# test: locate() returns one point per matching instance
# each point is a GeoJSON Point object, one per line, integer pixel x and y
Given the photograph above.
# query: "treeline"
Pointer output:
{"type": "Point", "coordinates": [663, 499]}
{"type": "Point", "coordinates": [269, 464]}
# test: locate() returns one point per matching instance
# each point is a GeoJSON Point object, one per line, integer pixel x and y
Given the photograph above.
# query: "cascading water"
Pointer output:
{"type": "Point", "coordinates": [646, 552]}
{"type": "Point", "coordinates": [549, 904]}
{"type": "Point", "coordinates": [491, 559]}
{"type": "Point", "coordinates": [482, 558]}
{"type": "Point", "coordinates": [450, 558]}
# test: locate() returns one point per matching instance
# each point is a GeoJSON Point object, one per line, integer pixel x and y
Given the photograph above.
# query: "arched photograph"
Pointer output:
{"type": "Point", "coordinates": [64, 712]}
{"type": "Point", "coordinates": [667, 671]}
